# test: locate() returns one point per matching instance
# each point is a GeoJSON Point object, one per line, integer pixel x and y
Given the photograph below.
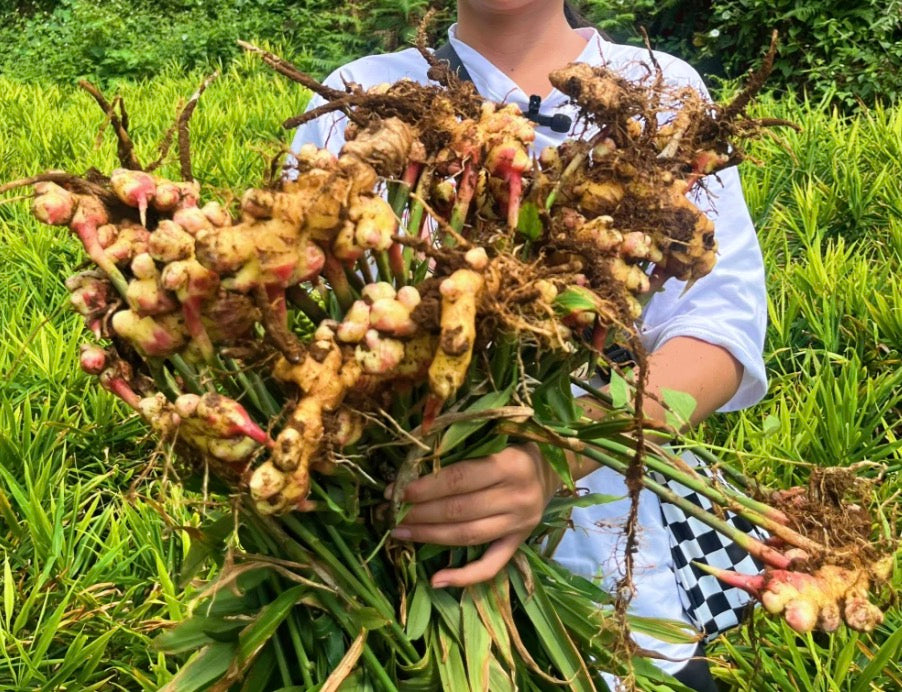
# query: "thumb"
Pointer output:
{"type": "Point", "coordinates": [496, 556]}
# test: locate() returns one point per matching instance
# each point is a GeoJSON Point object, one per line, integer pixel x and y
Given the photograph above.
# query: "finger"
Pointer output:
{"type": "Point", "coordinates": [456, 479]}
{"type": "Point", "coordinates": [496, 556]}
{"type": "Point", "coordinates": [456, 509]}
{"type": "Point", "coordinates": [474, 532]}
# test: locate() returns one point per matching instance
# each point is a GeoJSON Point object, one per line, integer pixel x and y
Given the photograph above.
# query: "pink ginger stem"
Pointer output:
{"type": "Point", "coordinates": [87, 233]}
{"type": "Point", "coordinates": [118, 386]}
{"type": "Point", "coordinates": [750, 583]}
{"type": "Point", "coordinates": [515, 189]}
{"type": "Point", "coordinates": [396, 262]}
{"type": "Point", "coordinates": [256, 433]}
{"type": "Point", "coordinates": [412, 173]}
{"type": "Point", "coordinates": [599, 336]}
{"type": "Point", "coordinates": [465, 190]}
{"type": "Point", "coordinates": [431, 409]}
{"type": "Point", "coordinates": [191, 309]}
{"type": "Point", "coordinates": [275, 293]}
{"type": "Point", "coordinates": [142, 208]}
{"type": "Point", "coordinates": [241, 422]}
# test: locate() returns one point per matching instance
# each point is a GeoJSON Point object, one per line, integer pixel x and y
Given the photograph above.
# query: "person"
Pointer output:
{"type": "Point", "coordinates": [706, 341]}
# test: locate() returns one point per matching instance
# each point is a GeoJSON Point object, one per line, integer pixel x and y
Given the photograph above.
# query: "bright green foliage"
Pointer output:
{"type": "Point", "coordinates": [89, 540]}
{"type": "Point", "coordinates": [829, 216]}
{"type": "Point", "coordinates": [88, 535]}
{"type": "Point", "coordinates": [107, 41]}
{"type": "Point", "coordinates": [851, 51]}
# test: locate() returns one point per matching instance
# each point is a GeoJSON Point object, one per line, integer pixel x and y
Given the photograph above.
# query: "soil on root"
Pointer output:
{"type": "Point", "coordinates": [832, 510]}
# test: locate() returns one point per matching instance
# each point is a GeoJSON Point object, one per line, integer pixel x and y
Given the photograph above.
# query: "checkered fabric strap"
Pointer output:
{"type": "Point", "coordinates": [712, 606]}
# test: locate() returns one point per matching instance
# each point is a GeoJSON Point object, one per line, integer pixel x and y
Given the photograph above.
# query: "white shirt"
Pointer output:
{"type": "Point", "coordinates": [727, 308]}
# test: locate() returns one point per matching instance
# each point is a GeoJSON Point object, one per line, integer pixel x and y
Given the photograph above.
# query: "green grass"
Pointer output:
{"type": "Point", "coordinates": [90, 521]}
{"type": "Point", "coordinates": [829, 216]}
{"type": "Point", "coordinates": [89, 549]}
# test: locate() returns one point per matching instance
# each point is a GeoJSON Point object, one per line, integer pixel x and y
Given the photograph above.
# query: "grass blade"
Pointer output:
{"type": "Point", "coordinates": [550, 632]}
{"type": "Point", "coordinates": [888, 651]}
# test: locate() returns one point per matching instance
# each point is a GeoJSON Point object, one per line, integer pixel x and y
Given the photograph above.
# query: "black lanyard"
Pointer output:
{"type": "Point", "coordinates": [449, 55]}
{"type": "Point", "coordinates": [558, 123]}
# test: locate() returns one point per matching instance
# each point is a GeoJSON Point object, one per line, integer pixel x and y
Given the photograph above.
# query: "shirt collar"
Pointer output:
{"type": "Point", "coordinates": [494, 85]}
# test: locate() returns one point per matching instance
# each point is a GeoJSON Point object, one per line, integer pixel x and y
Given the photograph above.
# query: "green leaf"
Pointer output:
{"type": "Point", "coordinates": [477, 644]}
{"type": "Point", "coordinates": [771, 425]}
{"type": "Point", "coordinates": [559, 506]}
{"type": "Point", "coordinates": [679, 408]}
{"type": "Point", "coordinates": [587, 590]}
{"type": "Point", "coordinates": [49, 629]}
{"type": "Point", "coordinates": [575, 299]}
{"type": "Point", "coordinates": [557, 460]}
{"type": "Point", "coordinates": [529, 223]}
{"type": "Point", "coordinates": [615, 424]}
{"type": "Point", "coordinates": [503, 364]}
{"type": "Point", "coordinates": [888, 651]}
{"type": "Point", "coordinates": [621, 394]}
{"type": "Point", "coordinates": [419, 611]}
{"type": "Point", "coordinates": [265, 624]}
{"type": "Point", "coordinates": [551, 634]}
{"type": "Point", "coordinates": [671, 631]}
{"type": "Point", "coordinates": [204, 667]}
{"type": "Point", "coordinates": [844, 658]}
{"type": "Point", "coordinates": [240, 600]}
{"type": "Point", "coordinates": [367, 618]}
{"type": "Point", "coordinates": [644, 668]}
{"type": "Point", "coordinates": [448, 609]}
{"type": "Point", "coordinates": [458, 432]}
{"type": "Point", "coordinates": [6, 511]}
{"type": "Point", "coordinates": [499, 679]}
{"type": "Point", "coordinates": [341, 498]}
{"type": "Point", "coordinates": [553, 400]}
{"type": "Point", "coordinates": [9, 592]}
{"type": "Point", "coordinates": [796, 661]}
{"type": "Point", "coordinates": [260, 672]}
{"type": "Point", "coordinates": [493, 621]}
{"type": "Point", "coordinates": [585, 610]}
{"type": "Point", "coordinates": [492, 444]}
{"type": "Point", "coordinates": [223, 629]}
{"type": "Point", "coordinates": [196, 632]}
{"type": "Point", "coordinates": [427, 551]}
{"type": "Point", "coordinates": [448, 658]}
{"type": "Point", "coordinates": [207, 546]}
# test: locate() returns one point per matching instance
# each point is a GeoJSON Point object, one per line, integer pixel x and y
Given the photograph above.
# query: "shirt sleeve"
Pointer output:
{"type": "Point", "coordinates": [728, 307]}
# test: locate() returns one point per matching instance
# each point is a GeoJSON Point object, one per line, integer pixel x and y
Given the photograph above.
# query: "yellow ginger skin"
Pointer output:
{"type": "Point", "coordinates": [323, 377]}
{"type": "Point", "coordinates": [461, 293]}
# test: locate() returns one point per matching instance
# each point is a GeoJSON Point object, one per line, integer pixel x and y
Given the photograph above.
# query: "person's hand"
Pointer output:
{"type": "Point", "coordinates": [498, 499]}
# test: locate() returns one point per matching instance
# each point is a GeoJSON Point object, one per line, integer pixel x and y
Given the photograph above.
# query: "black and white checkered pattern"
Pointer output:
{"type": "Point", "coordinates": [712, 606]}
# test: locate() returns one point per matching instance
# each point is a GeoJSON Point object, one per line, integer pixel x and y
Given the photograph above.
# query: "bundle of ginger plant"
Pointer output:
{"type": "Point", "coordinates": [393, 308]}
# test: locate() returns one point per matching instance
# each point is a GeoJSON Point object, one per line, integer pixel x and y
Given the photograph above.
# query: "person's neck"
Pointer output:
{"type": "Point", "coordinates": [526, 45]}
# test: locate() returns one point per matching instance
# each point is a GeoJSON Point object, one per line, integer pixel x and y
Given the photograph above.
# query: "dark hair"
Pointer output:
{"type": "Point", "coordinates": [574, 17]}
{"type": "Point", "coordinates": [577, 20]}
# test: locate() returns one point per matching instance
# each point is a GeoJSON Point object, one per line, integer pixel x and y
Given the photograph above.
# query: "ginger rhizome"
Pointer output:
{"type": "Point", "coordinates": [265, 338]}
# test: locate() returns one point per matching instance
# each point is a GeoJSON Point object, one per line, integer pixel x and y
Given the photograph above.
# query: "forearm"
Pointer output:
{"type": "Point", "coordinates": [709, 373]}
{"type": "Point", "coordinates": [706, 372]}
